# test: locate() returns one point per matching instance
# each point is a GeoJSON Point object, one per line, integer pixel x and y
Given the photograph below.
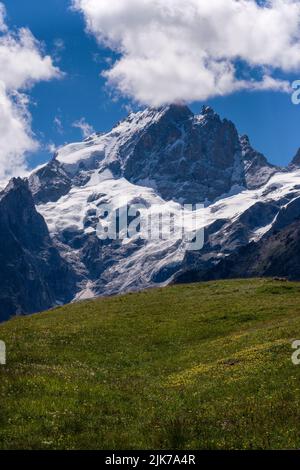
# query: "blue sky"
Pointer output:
{"type": "Point", "coordinates": [268, 117]}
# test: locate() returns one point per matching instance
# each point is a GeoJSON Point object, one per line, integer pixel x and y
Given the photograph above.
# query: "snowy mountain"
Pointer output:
{"type": "Point", "coordinates": [158, 158]}
{"type": "Point", "coordinates": [261, 238]}
{"type": "Point", "coordinates": [275, 254]}
{"type": "Point", "coordinates": [181, 156]}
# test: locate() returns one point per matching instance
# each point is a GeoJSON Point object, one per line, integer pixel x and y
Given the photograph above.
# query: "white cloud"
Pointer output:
{"type": "Point", "coordinates": [86, 129]}
{"type": "Point", "coordinates": [174, 50]}
{"type": "Point", "coordinates": [59, 47]}
{"type": "Point", "coordinates": [3, 26]}
{"type": "Point", "coordinates": [58, 125]}
{"type": "Point", "coordinates": [59, 44]}
{"type": "Point", "coordinates": [22, 63]}
{"type": "Point", "coordinates": [15, 133]}
{"type": "Point", "coordinates": [50, 147]}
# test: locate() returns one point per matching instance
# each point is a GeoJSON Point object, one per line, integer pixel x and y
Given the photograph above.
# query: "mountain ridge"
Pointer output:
{"type": "Point", "coordinates": [169, 148]}
{"type": "Point", "coordinates": [158, 157]}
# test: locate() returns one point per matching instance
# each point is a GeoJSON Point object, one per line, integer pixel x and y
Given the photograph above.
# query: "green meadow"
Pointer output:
{"type": "Point", "coordinates": [201, 366]}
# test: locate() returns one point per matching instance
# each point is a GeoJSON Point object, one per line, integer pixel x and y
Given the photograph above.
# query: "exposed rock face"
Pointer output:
{"type": "Point", "coordinates": [49, 183]}
{"type": "Point", "coordinates": [225, 237]}
{"type": "Point", "coordinates": [296, 160]}
{"type": "Point", "coordinates": [276, 254]}
{"type": "Point", "coordinates": [33, 276]}
{"type": "Point", "coordinates": [256, 167]}
{"type": "Point", "coordinates": [189, 158]}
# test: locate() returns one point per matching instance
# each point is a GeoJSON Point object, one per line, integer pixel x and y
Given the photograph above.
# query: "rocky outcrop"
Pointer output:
{"type": "Point", "coordinates": [33, 276]}
{"type": "Point", "coordinates": [188, 158]}
{"type": "Point", "coordinates": [276, 254]}
{"type": "Point", "coordinates": [257, 169]}
{"type": "Point", "coordinates": [295, 163]}
{"type": "Point", "coordinates": [49, 183]}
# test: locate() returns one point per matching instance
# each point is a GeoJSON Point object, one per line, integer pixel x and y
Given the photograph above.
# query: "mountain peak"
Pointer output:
{"type": "Point", "coordinates": [176, 111]}
{"type": "Point", "coordinates": [257, 168]}
{"type": "Point", "coordinates": [209, 115]}
{"type": "Point", "coordinates": [183, 156]}
{"type": "Point", "coordinates": [16, 183]}
{"type": "Point", "coordinates": [18, 189]}
{"type": "Point", "coordinates": [296, 159]}
{"type": "Point", "coordinates": [245, 141]}
{"type": "Point", "coordinates": [207, 111]}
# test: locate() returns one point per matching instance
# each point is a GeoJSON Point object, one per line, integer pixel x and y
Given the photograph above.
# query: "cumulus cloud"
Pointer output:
{"type": "Point", "coordinates": [22, 63]}
{"type": "Point", "coordinates": [174, 50]}
{"type": "Point", "coordinates": [85, 128]}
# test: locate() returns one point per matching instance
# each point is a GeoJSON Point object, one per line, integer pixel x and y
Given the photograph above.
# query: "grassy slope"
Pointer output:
{"type": "Point", "coordinates": [194, 366]}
